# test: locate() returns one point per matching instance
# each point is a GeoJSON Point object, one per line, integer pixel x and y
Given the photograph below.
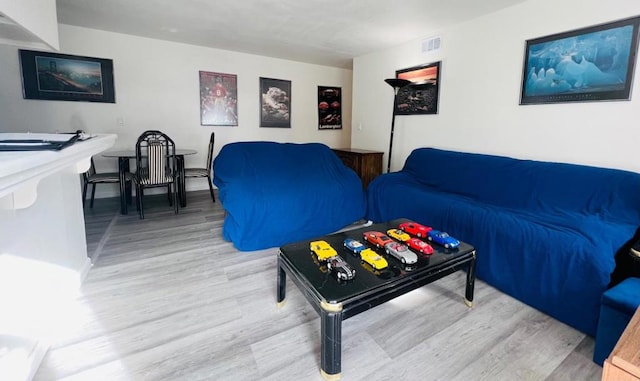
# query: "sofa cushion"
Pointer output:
{"type": "Point", "coordinates": [528, 184]}
{"type": "Point", "coordinates": [624, 297]}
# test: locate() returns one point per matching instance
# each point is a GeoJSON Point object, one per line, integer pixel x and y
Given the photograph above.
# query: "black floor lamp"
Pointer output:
{"type": "Point", "coordinates": [397, 84]}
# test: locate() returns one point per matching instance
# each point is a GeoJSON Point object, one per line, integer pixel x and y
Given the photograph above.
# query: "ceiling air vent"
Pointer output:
{"type": "Point", "coordinates": [431, 44]}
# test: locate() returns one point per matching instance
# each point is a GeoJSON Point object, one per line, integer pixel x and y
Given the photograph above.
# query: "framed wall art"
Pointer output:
{"type": "Point", "coordinates": [329, 108]}
{"type": "Point", "coordinates": [64, 77]}
{"type": "Point", "coordinates": [421, 97]}
{"type": "Point", "coordinates": [275, 103]}
{"type": "Point", "coordinates": [218, 99]}
{"type": "Point", "coordinates": [589, 64]}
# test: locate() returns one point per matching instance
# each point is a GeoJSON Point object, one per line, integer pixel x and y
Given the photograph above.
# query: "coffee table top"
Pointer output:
{"type": "Point", "coordinates": [305, 265]}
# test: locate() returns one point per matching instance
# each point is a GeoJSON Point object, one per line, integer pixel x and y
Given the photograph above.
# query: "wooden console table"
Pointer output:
{"type": "Point", "coordinates": [367, 164]}
{"type": "Point", "coordinates": [623, 363]}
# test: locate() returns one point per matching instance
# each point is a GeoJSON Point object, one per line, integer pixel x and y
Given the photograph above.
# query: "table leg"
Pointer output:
{"type": "Point", "coordinates": [282, 284]}
{"type": "Point", "coordinates": [331, 340]}
{"type": "Point", "coordinates": [182, 190]}
{"type": "Point", "coordinates": [471, 278]}
{"type": "Point", "coordinates": [123, 167]}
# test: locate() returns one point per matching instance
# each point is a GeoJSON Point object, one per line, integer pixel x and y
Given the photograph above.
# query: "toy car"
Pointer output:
{"type": "Point", "coordinates": [322, 249]}
{"type": "Point", "coordinates": [398, 234]}
{"type": "Point", "coordinates": [340, 268]}
{"type": "Point", "coordinates": [420, 246]}
{"type": "Point", "coordinates": [354, 246]}
{"type": "Point", "coordinates": [442, 238]}
{"type": "Point", "coordinates": [401, 252]}
{"type": "Point", "coordinates": [415, 228]}
{"type": "Point", "coordinates": [377, 238]}
{"type": "Point", "coordinates": [374, 259]}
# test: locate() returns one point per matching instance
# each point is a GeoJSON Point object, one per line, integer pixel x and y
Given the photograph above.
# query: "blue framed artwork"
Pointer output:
{"type": "Point", "coordinates": [590, 64]}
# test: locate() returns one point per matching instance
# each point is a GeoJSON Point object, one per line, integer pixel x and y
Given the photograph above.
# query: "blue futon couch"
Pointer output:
{"type": "Point", "coordinates": [545, 233]}
{"type": "Point", "coordinates": [276, 193]}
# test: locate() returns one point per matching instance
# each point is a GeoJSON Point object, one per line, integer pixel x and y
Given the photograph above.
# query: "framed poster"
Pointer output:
{"type": "Point", "coordinates": [590, 64]}
{"type": "Point", "coordinates": [275, 103]}
{"type": "Point", "coordinates": [218, 99]}
{"type": "Point", "coordinates": [422, 96]}
{"type": "Point", "coordinates": [329, 108]}
{"type": "Point", "coordinates": [63, 77]}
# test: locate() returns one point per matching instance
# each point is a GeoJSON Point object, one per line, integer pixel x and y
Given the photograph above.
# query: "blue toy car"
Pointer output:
{"type": "Point", "coordinates": [354, 245]}
{"type": "Point", "coordinates": [443, 239]}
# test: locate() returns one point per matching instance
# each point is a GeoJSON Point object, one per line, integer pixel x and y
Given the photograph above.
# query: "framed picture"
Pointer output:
{"type": "Point", "coordinates": [421, 97]}
{"type": "Point", "coordinates": [63, 77]}
{"type": "Point", "coordinates": [275, 103]}
{"type": "Point", "coordinates": [218, 99]}
{"type": "Point", "coordinates": [589, 64]}
{"type": "Point", "coordinates": [329, 108]}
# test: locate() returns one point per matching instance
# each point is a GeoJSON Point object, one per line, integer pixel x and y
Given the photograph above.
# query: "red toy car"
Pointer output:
{"type": "Point", "coordinates": [377, 238]}
{"type": "Point", "coordinates": [420, 246]}
{"type": "Point", "coordinates": [414, 228]}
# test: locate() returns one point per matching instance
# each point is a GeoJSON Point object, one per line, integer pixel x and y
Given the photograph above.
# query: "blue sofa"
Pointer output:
{"type": "Point", "coordinates": [277, 193]}
{"type": "Point", "coordinates": [545, 233]}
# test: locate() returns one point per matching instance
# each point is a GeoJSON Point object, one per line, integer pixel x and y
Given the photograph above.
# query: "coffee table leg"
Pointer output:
{"type": "Point", "coordinates": [282, 285]}
{"type": "Point", "coordinates": [471, 279]}
{"type": "Point", "coordinates": [331, 341]}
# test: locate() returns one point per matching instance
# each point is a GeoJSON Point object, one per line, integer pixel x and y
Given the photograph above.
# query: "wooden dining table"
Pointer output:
{"type": "Point", "coordinates": [124, 158]}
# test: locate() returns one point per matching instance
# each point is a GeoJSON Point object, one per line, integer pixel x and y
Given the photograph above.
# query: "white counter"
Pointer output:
{"type": "Point", "coordinates": [43, 248]}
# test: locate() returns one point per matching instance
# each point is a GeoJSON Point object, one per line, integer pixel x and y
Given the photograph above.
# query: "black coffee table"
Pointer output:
{"type": "Point", "coordinates": [336, 301]}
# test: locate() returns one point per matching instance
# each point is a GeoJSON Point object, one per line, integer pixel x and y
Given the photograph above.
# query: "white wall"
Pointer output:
{"type": "Point", "coordinates": [479, 93]}
{"type": "Point", "coordinates": [156, 84]}
{"type": "Point", "coordinates": [38, 17]}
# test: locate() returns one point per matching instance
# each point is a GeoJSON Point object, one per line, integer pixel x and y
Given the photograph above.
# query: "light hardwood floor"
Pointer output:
{"type": "Point", "coordinates": [169, 299]}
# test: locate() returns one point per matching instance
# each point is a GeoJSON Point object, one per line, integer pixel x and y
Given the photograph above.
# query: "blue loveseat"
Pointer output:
{"type": "Point", "coordinates": [276, 193]}
{"type": "Point", "coordinates": [545, 233]}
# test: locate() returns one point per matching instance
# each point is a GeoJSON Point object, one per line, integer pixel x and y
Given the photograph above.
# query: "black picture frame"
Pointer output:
{"type": "Point", "coordinates": [421, 97]}
{"type": "Point", "coordinates": [275, 103]}
{"type": "Point", "coordinates": [590, 64]}
{"type": "Point", "coordinates": [218, 99]}
{"type": "Point", "coordinates": [329, 108]}
{"type": "Point", "coordinates": [65, 77]}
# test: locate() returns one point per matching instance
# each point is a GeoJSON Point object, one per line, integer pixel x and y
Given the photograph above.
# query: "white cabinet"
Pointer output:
{"type": "Point", "coordinates": [43, 249]}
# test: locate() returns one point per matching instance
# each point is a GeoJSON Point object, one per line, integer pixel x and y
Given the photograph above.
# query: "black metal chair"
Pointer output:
{"type": "Point", "coordinates": [94, 178]}
{"type": "Point", "coordinates": [156, 166]}
{"type": "Point", "coordinates": [204, 172]}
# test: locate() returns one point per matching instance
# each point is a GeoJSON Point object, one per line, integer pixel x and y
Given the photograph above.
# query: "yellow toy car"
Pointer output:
{"type": "Point", "coordinates": [374, 259]}
{"type": "Point", "coordinates": [322, 249]}
{"type": "Point", "coordinates": [398, 234]}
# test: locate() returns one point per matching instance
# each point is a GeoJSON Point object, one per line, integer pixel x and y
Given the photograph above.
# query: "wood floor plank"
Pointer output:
{"type": "Point", "coordinates": [169, 299]}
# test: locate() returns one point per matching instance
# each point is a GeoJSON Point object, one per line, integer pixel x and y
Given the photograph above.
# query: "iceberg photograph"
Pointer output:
{"type": "Point", "coordinates": [589, 64]}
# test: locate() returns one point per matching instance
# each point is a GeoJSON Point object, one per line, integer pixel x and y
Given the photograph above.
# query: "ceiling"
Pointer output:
{"type": "Point", "coordinates": [327, 32]}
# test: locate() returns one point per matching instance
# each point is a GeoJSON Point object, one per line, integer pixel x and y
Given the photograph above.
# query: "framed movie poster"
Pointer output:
{"type": "Point", "coordinates": [590, 64]}
{"type": "Point", "coordinates": [275, 103]}
{"type": "Point", "coordinates": [64, 77]}
{"type": "Point", "coordinates": [218, 99]}
{"type": "Point", "coordinates": [329, 108]}
{"type": "Point", "coordinates": [422, 96]}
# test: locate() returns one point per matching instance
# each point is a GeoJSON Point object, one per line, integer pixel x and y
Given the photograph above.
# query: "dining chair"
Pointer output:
{"type": "Point", "coordinates": [156, 167]}
{"type": "Point", "coordinates": [94, 178]}
{"type": "Point", "coordinates": [204, 172]}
